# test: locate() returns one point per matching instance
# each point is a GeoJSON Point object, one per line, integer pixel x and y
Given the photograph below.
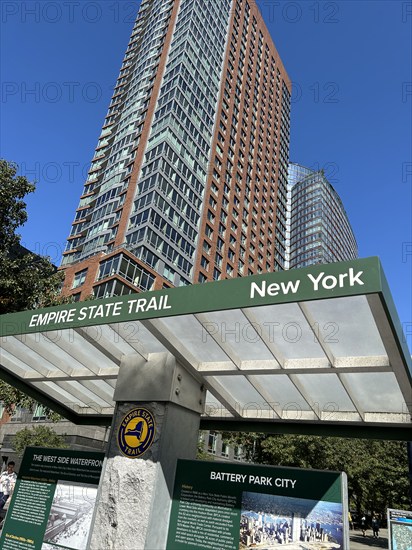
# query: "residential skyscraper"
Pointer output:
{"type": "Point", "coordinates": [189, 179]}
{"type": "Point", "coordinates": [319, 228]}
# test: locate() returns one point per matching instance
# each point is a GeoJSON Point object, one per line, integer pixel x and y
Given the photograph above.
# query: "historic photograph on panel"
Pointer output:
{"type": "Point", "coordinates": [68, 525]}
{"type": "Point", "coordinates": [269, 520]}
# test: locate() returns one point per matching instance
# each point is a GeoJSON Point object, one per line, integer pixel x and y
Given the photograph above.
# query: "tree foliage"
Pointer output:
{"type": "Point", "coordinates": [27, 281]}
{"type": "Point", "coordinates": [38, 436]}
{"type": "Point", "coordinates": [201, 453]}
{"type": "Point", "coordinates": [377, 470]}
{"type": "Point", "coordinates": [11, 397]}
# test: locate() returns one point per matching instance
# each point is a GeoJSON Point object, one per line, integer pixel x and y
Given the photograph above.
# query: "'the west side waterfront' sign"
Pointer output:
{"type": "Point", "coordinates": [239, 506]}
{"type": "Point", "coordinates": [53, 501]}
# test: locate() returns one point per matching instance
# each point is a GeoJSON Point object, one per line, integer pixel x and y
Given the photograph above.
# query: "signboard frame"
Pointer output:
{"type": "Point", "coordinates": [399, 526]}
{"type": "Point", "coordinates": [56, 490]}
{"type": "Point", "coordinates": [213, 504]}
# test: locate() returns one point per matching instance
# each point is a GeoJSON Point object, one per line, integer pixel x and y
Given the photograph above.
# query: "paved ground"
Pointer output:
{"type": "Point", "coordinates": [358, 542]}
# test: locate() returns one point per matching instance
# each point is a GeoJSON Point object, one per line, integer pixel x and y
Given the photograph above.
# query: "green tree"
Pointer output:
{"type": "Point", "coordinates": [38, 436]}
{"type": "Point", "coordinates": [27, 281]}
{"type": "Point", "coordinates": [11, 397]}
{"type": "Point", "coordinates": [377, 470]}
{"type": "Point", "coordinates": [201, 453]}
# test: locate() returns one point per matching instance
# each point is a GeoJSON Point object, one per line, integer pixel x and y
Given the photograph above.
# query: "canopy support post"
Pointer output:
{"type": "Point", "coordinates": [155, 398]}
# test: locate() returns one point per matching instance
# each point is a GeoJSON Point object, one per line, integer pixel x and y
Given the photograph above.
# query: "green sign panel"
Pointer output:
{"type": "Point", "coordinates": [239, 506]}
{"type": "Point", "coordinates": [316, 282]}
{"type": "Point", "coordinates": [53, 501]}
{"type": "Point", "coordinates": [400, 529]}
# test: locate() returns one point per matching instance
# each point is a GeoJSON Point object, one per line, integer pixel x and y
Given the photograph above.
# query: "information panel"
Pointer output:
{"type": "Point", "coordinates": [53, 501]}
{"type": "Point", "coordinates": [400, 529]}
{"type": "Point", "coordinates": [230, 506]}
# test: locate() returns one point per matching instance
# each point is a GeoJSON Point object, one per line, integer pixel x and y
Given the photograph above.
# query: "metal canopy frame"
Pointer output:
{"type": "Point", "coordinates": [314, 350]}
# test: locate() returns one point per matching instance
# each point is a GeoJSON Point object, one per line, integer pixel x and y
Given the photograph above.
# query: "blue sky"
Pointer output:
{"type": "Point", "coordinates": [350, 63]}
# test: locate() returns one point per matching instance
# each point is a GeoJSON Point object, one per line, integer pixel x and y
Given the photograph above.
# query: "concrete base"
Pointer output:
{"type": "Point", "coordinates": [135, 496]}
{"type": "Point", "coordinates": [124, 504]}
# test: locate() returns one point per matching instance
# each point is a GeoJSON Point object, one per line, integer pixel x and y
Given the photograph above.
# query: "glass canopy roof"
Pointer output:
{"type": "Point", "coordinates": [317, 345]}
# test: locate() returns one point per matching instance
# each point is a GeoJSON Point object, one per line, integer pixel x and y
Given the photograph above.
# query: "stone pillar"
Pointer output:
{"type": "Point", "coordinates": [135, 495]}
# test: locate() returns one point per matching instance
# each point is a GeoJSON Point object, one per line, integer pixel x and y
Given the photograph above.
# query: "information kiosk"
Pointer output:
{"type": "Point", "coordinates": [317, 350]}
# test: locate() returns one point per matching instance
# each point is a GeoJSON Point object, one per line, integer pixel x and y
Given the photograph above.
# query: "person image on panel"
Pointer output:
{"type": "Point", "coordinates": [7, 482]}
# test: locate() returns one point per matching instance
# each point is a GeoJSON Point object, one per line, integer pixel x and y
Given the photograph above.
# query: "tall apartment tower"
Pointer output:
{"type": "Point", "coordinates": [189, 179]}
{"type": "Point", "coordinates": [319, 228]}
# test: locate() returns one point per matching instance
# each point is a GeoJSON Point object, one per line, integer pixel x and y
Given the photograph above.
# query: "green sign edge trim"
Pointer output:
{"type": "Point", "coordinates": [206, 297]}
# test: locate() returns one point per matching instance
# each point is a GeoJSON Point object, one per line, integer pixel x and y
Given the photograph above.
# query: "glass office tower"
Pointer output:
{"type": "Point", "coordinates": [319, 228]}
{"type": "Point", "coordinates": [189, 179]}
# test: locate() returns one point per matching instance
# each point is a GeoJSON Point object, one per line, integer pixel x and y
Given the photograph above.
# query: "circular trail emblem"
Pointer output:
{"type": "Point", "coordinates": [136, 432]}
